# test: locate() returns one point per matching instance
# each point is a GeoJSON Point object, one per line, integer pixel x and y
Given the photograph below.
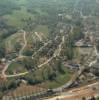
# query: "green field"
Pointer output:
{"type": "Point", "coordinates": [15, 19]}
{"type": "Point", "coordinates": [60, 80]}
{"type": "Point", "coordinates": [12, 40]}
{"type": "Point", "coordinates": [15, 67]}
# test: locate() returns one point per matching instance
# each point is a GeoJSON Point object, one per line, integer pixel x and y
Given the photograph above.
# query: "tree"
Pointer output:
{"type": "Point", "coordinates": [60, 66]}
{"type": "Point", "coordinates": [97, 98]}
{"type": "Point", "coordinates": [83, 98]}
{"type": "Point", "coordinates": [93, 98]}
{"type": "Point", "coordinates": [69, 47]}
{"type": "Point", "coordinates": [17, 46]}
{"type": "Point", "coordinates": [2, 51]}
{"type": "Point", "coordinates": [52, 76]}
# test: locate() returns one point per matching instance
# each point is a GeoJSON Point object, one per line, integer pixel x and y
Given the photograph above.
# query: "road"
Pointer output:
{"type": "Point", "coordinates": [95, 61]}
{"type": "Point", "coordinates": [56, 53]}
{"type": "Point", "coordinates": [25, 43]}
{"type": "Point", "coordinates": [39, 66]}
{"type": "Point", "coordinates": [41, 48]}
{"type": "Point", "coordinates": [5, 68]}
{"type": "Point", "coordinates": [78, 93]}
{"type": "Point", "coordinates": [76, 75]}
{"type": "Point", "coordinates": [40, 38]}
{"type": "Point", "coordinates": [88, 63]}
{"type": "Point", "coordinates": [20, 55]}
{"type": "Point", "coordinates": [82, 15]}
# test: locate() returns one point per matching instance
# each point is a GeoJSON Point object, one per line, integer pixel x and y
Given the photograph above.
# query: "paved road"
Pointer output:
{"type": "Point", "coordinates": [78, 93]}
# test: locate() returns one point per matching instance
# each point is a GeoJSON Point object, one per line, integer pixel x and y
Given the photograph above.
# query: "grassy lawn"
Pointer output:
{"type": "Point", "coordinates": [31, 38]}
{"type": "Point", "coordinates": [12, 40]}
{"type": "Point", "coordinates": [15, 67]}
{"type": "Point", "coordinates": [60, 80]}
{"type": "Point", "coordinates": [42, 29]}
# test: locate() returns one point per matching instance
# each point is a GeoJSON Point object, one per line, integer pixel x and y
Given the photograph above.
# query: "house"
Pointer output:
{"type": "Point", "coordinates": [79, 43]}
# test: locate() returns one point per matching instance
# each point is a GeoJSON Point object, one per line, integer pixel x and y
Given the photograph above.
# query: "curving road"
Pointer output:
{"type": "Point", "coordinates": [20, 55]}
{"type": "Point", "coordinates": [5, 68]}
{"type": "Point", "coordinates": [25, 43]}
{"type": "Point", "coordinates": [39, 66]}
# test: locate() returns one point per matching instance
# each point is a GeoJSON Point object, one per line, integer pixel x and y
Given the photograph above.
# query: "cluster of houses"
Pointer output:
{"type": "Point", "coordinates": [82, 43]}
